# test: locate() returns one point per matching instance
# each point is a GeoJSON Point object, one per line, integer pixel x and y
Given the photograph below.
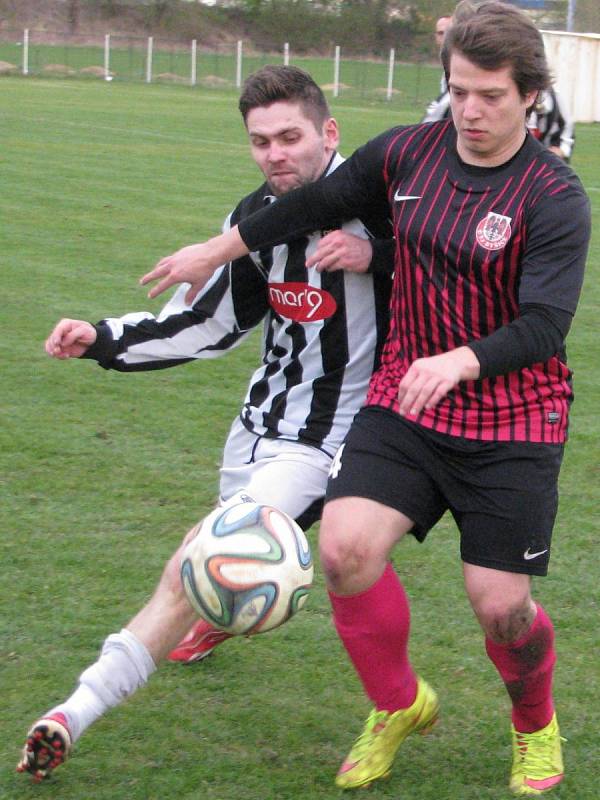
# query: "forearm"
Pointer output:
{"type": "Point", "coordinates": [534, 337]}
{"type": "Point", "coordinates": [302, 211]}
{"type": "Point", "coordinates": [354, 191]}
{"type": "Point", "coordinates": [195, 264]}
{"type": "Point", "coordinates": [382, 259]}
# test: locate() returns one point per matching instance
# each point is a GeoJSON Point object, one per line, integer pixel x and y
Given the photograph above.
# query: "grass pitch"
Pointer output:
{"type": "Point", "coordinates": [103, 473]}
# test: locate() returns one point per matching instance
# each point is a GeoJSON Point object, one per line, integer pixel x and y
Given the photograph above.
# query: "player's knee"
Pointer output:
{"type": "Point", "coordinates": [504, 620]}
{"type": "Point", "coordinates": [343, 551]}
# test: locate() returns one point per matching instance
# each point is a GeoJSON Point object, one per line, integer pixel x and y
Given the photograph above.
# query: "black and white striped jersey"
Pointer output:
{"type": "Point", "coordinates": [440, 107]}
{"type": "Point", "coordinates": [550, 123]}
{"type": "Point", "coordinates": [322, 332]}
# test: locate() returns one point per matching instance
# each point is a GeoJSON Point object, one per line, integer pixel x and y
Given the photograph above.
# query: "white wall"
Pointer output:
{"type": "Point", "coordinates": [575, 62]}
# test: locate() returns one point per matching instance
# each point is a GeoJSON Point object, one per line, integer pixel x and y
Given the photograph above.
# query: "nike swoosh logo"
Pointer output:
{"type": "Point", "coordinates": [528, 556]}
{"type": "Point", "coordinates": [400, 197]}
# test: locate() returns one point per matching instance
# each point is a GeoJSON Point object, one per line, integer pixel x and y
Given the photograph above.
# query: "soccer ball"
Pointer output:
{"type": "Point", "coordinates": [248, 569]}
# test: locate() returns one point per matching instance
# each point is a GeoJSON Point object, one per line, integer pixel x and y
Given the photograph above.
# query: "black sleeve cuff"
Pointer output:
{"type": "Point", "coordinates": [534, 337]}
{"type": "Point", "coordinates": [382, 260]}
{"type": "Point", "coordinates": [104, 348]}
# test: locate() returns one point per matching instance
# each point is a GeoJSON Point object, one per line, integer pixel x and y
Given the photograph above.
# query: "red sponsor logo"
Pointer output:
{"type": "Point", "coordinates": [301, 302]}
{"type": "Point", "coordinates": [493, 231]}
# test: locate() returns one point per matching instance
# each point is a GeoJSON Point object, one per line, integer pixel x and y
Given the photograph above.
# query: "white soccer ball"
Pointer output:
{"type": "Point", "coordinates": [248, 569]}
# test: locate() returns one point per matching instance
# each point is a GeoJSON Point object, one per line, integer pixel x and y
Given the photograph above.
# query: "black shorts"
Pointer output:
{"type": "Point", "coordinates": [502, 495]}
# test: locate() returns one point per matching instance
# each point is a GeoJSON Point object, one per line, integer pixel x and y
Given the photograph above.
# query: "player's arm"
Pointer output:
{"type": "Point", "coordinates": [354, 190]}
{"type": "Point", "coordinates": [217, 320]}
{"type": "Point", "coordinates": [562, 139]}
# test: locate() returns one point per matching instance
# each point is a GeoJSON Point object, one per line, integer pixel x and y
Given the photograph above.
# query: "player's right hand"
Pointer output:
{"type": "Point", "coordinates": [70, 338]}
{"type": "Point", "coordinates": [195, 264]}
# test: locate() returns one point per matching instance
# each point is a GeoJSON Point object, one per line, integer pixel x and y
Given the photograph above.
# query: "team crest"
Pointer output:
{"type": "Point", "coordinates": [493, 232]}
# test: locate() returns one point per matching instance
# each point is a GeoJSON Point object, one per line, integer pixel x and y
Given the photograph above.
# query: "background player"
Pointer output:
{"type": "Point", "coordinates": [551, 124]}
{"type": "Point", "coordinates": [321, 338]}
{"type": "Point", "coordinates": [440, 107]}
{"type": "Point", "coordinates": [469, 409]}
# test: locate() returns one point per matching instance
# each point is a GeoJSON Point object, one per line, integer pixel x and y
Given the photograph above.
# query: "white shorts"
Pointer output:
{"type": "Point", "coordinates": [287, 475]}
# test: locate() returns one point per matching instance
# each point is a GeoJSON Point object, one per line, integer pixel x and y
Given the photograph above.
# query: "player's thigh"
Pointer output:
{"type": "Point", "coordinates": [506, 510]}
{"type": "Point", "coordinates": [388, 462]}
{"type": "Point", "coordinates": [287, 475]}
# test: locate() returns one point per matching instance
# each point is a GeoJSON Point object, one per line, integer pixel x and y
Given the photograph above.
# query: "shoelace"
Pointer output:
{"type": "Point", "coordinates": [376, 722]}
{"type": "Point", "coordinates": [535, 748]}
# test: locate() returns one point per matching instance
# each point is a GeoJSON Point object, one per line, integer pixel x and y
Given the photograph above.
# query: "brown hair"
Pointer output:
{"type": "Point", "coordinates": [274, 83]}
{"type": "Point", "coordinates": [494, 35]}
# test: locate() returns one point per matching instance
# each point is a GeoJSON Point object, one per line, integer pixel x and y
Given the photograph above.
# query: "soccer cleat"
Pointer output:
{"type": "Point", "coordinates": [199, 643]}
{"type": "Point", "coordinates": [537, 760]}
{"type": "Point", "coordinates": [48, 744]}
{"type": "Point", "coordinates": [373, 752]}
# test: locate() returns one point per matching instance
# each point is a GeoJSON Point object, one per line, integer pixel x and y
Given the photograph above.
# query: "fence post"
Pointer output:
{"type": "Point", "coordinates": [193, 73]}
{"type": "Point", "coordinates": [107, 57]}
{"type": "Point", "coordinates": [390, 82]}
{"type": "Point", "coordinates": [238, 66]}
{"type": "Point", "coordinates": [336, 72]}
{"type": "Point", "coordinates": [286, 54]}
{"type": "Point", "coordinates": [149, 60]}
{"type": "Point", "coordinates": [26, 51]}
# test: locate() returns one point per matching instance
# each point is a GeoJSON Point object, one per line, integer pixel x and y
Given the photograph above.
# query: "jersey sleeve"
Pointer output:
{"type": "Point", "coordinates": [219, 318]}
{"type": "Point", "coordinates": [558, 234]}
{"type": "Point", "coordinates": [356, 189]}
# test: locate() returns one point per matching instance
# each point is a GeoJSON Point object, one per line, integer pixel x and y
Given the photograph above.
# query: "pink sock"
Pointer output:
{"type": "Point", "coordinates": [526, 667]}
{"type": "Point", "coordinates": [374, 627]}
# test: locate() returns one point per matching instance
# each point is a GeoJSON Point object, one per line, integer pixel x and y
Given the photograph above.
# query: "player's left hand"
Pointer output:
{"type": "Point", "coordinates": [341, 250]}
{"type": "Point", "coordinates": [428, 380]}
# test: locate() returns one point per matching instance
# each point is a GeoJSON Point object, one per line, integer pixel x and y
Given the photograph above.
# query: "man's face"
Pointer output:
{"type": "Point", "coordinates": [287, 147]}
{"type": "Point", "coordinates": [441, 26]}
{"type": "Point", "coordinates": [488, 112]}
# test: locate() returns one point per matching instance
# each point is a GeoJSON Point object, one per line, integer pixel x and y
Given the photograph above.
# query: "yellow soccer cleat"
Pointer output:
{"type": "Point", "coordinates": [373, 752]}
{"type": "Point", "coordinates": [537, 760]}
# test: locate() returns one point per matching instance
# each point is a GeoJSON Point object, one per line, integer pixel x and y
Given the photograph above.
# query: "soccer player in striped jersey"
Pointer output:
{"type": "Point", "coordinates": [551, 124]}
{"type": "Point", "coordinates": [468, 411]}
{"type": "Point", "coordinates": [322, 336]}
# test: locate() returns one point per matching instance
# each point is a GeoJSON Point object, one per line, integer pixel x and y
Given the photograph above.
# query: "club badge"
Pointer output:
{"type": "Point", "coordinates": [493, 232]}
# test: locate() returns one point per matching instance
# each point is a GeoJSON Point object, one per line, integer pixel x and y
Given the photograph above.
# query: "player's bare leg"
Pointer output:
{"type": "Point", "coordinates": [127, 660]}
{"type": "Point", "coordinates": [520, 643]}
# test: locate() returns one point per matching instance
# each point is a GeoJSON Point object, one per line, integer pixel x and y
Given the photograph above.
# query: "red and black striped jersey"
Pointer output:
{"type": "Point", "coordinates": [472, 246]}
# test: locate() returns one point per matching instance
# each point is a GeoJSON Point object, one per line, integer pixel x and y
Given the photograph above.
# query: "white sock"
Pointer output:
{"type": "Point", "coordinates": [124, 665]}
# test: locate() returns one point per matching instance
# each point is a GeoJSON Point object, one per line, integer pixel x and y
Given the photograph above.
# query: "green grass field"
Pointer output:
{"type": "Point", "coordinates": [103, 473]}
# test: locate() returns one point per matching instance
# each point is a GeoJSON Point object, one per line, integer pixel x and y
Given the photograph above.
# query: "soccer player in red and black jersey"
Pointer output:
{"type": "Point", "coordinates": [468, 411]}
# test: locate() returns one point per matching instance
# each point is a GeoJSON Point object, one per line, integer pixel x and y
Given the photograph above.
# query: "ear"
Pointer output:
{"type": "Point", "coordinates": [531, 99]}
{"type": "Point", "coordinates": [331, 134]}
